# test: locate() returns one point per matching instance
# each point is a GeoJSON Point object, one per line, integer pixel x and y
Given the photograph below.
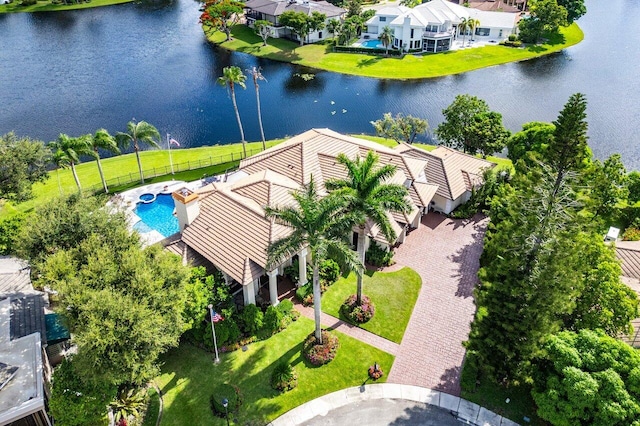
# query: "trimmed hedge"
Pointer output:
{"type": "Point", "coordinates": [366, 50]}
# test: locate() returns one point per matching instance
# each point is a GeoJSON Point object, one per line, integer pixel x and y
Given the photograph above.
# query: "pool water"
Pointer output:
{"type": "Point", "coordinates": [158, 216]}
{"type": "Point", "coordinates": [372, 44]}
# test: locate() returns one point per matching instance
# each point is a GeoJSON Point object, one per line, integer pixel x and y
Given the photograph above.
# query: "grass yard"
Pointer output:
{"type": "Point", "coordinates": [47, 6]}
{"type": "Point", "coordinates": [393, 293]}
{"type": "Point", "coordinates": [189, 377]}
{"type": "Point", "coordinates": [320, 55]}
{"type": "Point", "coordinates": [493, 397]}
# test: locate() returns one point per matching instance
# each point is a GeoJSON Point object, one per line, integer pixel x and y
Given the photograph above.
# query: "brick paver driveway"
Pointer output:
{"type": "Point", "coordinates": [445, 253]}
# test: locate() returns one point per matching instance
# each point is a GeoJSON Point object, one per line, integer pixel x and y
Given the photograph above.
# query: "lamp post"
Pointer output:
{"type": "Point", "coordinates": [213, 331]}
{"type": "Point", "coordinates": [225, 404]}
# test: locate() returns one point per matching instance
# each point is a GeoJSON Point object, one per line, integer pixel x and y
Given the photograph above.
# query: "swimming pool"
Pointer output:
{"type": "Point", "coordinates": [372, 44]}
{"type": "Point", "coordinates": [157, 215]}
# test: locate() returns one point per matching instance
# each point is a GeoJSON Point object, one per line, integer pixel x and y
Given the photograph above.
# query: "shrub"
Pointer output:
{"type": "Point", "coordinates": [231, 393]}
{"type": "Point", "coordinates": [284, 377]}
{"type": "Point", "coordinates": [322, 354]}
{"type": "Point", "coordinates": [9, 230]}
{"type": "Point", "coordinates": [129, 403]}
{"type": "Point", "coordinates": [511, 43]}
{"type": "Point", "coordinates": [358, 313]}
{"type": "Point", "coordinates": [273, 320]}
{"type": "Point", "coordinates": [377, 256]}
{"type": "Point", "coordinates": [293, 271]}
{"type": "Point", "coordinates": [303, 292]}
{"type": "Point", "coordinates": [513, 37]}
{"type": "Point", "coordinates": [28, 2]}
{"type": "Point", "coordinates": [329, 271]}
{"type": "Point", "coordinates": [631, 234]}
{"type": "Point", "coordinates": [251, 319]}
{"type": "Point", "coordinates": [286, 307]}
{"type": "Point", "coordinates": [227, 331]}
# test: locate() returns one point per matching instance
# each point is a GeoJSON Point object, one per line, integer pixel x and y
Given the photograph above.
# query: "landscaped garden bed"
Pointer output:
{"type": "Point", "coordinates": [393, 293]}
{"type": "Point", "coordinates": [190, 377]}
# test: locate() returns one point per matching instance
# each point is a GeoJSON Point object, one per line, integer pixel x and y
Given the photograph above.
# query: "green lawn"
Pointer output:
{"type": "Point", "coordinates": [125, 167]}
{"type": "Point", "coordinates": [320, 55]}
{"type": "Point", "coordinates": [47, 6]}
{"type": "Point", "coordinates": [189, 377]}
{"type": "Point", "coordinates": [393, 293]}
{"type": "Point", "coordinates": [493, 397]}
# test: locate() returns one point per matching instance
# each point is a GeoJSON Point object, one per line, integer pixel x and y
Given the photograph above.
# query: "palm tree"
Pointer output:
{"type": "Point", "coordinates": [320, 224]}
{"type": "Point", "coordinates": [68, 151]}
{"type": "Point", "coordinates": [463, 26]}
{"type": "Point", "coordinates": [60, 160]}
{"type": "Point", "coordinates": [137, 134]}
{"type": "Point", "coordinates": [257, 75]}
{"type": "Point", "coordinates": [230, 77]}
{"type": "Point", "coordinates": [386, 38]}
{"type": "Point", "coordinates": [333, 26]}
{"type": "Point", "coordinates": [473, 24]}
{"type": "Point", "coordinates": [370, 198]}
{"type": "Point", "coordinates": [102, 140]}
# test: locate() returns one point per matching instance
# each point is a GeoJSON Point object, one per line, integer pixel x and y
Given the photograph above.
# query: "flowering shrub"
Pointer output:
{"type": "Point", "coordinates": [320, 354]}
{"type": "Point", "coordinates": [375, 372]}
{"type": "Point", "coordinates": [631, 234]}
{"type": "Point", "coordinates": [358, 314]}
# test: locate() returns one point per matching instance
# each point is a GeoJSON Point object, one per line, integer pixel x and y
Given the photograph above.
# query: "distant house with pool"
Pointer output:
{"type": "Point", "coordinates": [270, 10]}
{"type": "Point", "coordinates": [433, 26]}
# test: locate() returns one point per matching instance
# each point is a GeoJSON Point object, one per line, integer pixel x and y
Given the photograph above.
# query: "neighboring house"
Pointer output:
{"type": "Point", "coordinates": [23, 337]}
{"type": "Point", "coordinates": [455, 173]}
{"type": "Point", "coordinates": [629, 254]}
{"type": "Point", "coordinates": [225, 222]}
{"type": "Point", "coordinates": [433, 26]}
{"type": "Point", "coordinates": [270, 10]}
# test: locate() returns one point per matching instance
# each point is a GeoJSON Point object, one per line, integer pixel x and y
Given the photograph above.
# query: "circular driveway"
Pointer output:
{"type": "Point", "coordinates": [383, 412]}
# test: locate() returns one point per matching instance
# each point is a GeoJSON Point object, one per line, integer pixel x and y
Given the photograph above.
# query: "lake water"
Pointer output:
{"type": "Point", "coordinates": [76, 71]}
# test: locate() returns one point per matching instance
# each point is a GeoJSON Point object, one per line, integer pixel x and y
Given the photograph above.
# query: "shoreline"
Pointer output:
{"type": "Point", "coordinates": [410, 67]}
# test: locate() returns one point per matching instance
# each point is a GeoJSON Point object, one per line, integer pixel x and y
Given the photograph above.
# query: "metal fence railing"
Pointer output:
{"type": "Point", "coordinates": [134, 175]}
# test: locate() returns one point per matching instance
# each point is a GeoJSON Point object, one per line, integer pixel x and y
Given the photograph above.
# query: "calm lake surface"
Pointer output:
{"type": "Point", "coordinates": [77, 71]}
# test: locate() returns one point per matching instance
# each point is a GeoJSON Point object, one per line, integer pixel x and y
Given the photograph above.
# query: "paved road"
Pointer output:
{"type": "Point", "coordinates": [383, 412]}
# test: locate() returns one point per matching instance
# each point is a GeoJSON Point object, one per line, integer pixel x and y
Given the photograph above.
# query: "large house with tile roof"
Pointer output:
{"type": "Point", "coordinates": [433, 26]}
{"type": "Point", "coordinates": [225, 223]}
{"type": "Point", "coordinates": [628, 252]}
{"type": "Point", "coordinates": [270, 10]}
{"type": "Point", "coordinates": [455, 173]}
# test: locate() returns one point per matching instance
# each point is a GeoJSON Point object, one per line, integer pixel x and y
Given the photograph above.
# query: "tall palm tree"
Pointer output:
{"type": "Point", "coordinates": [473, 24]}
{"type": "Point", "coordinates": [463, 26]}
{"type": "Point", "coordinates": [230, 77]}
{"type": "Point", "coordinates": [137, 134]}
{"type": "Point", "coordinates": [386, 38]}
{"type": "Point", "coordinates": [68, 151]}
{"type": "Point", "coordinates": [322, 225]}
{"type": "Point", "coordinates": [60, 160]}
{"type": "Point", "coordinates": [257, 75]}
{"type": "Point", "coordinates": [370, 198]}
{"type": "Point", "coordinates": [102, 140]}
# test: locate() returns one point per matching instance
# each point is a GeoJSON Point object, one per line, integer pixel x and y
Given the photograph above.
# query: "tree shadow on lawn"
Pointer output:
{"type": "Point", "coordinates": [193, 387]}
{"type": "Point", "coordinates": [369, 61]}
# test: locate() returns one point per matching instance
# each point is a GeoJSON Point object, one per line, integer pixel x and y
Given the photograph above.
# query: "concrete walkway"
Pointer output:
{"type": "Point", "coordinates": [330, 409]}
{"type": "Point", "coordinates": [446, 254]}
{"type": "Point", "coordinates": [350, 330]}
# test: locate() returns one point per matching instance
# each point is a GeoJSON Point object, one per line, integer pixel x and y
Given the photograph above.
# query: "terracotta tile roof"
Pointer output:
{"type": "Point", "coordinates": [314, 152]}
{"type": "Point", "coordinates": [232, 231]}
{"type": "Point", "coordinates": [453, 171]}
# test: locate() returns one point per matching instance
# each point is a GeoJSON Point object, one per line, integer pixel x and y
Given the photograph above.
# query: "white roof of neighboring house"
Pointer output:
{"type": "Point", "coordinates": [23, 394]}
{"type": "Point", "coordinates": [440, 11]}
{"type": "Point", "coordinates": [277, 7]}
{"type": "Point", "coordinates": [453, 171]}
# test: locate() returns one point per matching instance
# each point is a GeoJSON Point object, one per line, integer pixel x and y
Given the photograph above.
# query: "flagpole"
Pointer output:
{"type": "Point", "coordinates": [170, 159]}
{"type": "Point", "coordinates": [213, 331]}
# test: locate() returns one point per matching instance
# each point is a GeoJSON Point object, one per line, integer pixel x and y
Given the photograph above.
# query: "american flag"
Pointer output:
{"type": "Point", "coordinates": [173, 141]}
{"type": "Point", "coordinates": [216, 317]}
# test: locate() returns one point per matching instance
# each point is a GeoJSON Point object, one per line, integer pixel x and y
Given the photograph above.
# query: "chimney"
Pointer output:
{"type": "Point", "coordinates": [187, 206]}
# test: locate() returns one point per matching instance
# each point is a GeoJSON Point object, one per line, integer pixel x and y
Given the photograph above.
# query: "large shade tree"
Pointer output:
{"type": "Point", "coordinates": [222, 15]}
{"type": "Point", "coordinates": [456, 129]}
{"type": "Point", "coordinates": [137, 134]}
{"type": "Point", "coordinates": [102, 140]}
{"type": "Point", "coordinates": [371, 197]}
{"type": "Point", "coordinates": [401, 128]}
{"type": "Point", "coordinates": [23, 162]}
{"type": "Point", "coordinates": [68, 151]}
{"type": "Point", "coordinates": [322, 225]}
{"type": "Point", "coordinates": [232, 76]}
